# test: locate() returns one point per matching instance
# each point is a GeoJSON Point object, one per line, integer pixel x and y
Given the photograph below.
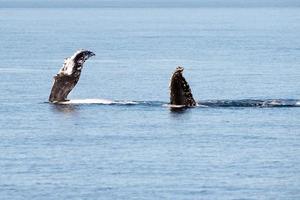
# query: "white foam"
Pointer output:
{"type": "Point", "coordinates": [174, 106]}
{"type": "Point", "coordinates": [126, 102]}
{"type": "Point", "coordinates": [97, 101]}
{"type": "Point", "coordinates": [201, 106]}
{"type": "Point", "coordinates": [88, 101]}
{"type": "Point", "coordinates": [183, 106]}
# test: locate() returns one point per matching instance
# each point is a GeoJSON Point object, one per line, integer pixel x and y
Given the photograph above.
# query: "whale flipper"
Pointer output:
{"type": "Point", "coordinates": [68, 76]}
{"type": "Point", "coordinates": [180, 92]}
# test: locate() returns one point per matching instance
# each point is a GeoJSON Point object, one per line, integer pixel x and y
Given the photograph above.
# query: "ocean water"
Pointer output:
{"type": "Point", "coordinates": [138, 148]}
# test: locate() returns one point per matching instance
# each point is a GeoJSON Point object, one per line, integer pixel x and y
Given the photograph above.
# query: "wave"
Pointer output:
{"type": "Point", "coordinates": [201, 104]}
{"type": "Point", "coordinates": [251, 103]}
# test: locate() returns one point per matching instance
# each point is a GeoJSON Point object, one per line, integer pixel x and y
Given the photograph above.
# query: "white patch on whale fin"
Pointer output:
{"type": "Point", "coordinates": [68, 66]}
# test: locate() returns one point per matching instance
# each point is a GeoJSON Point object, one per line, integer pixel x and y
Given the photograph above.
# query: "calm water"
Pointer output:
{"type": "Point", "coordinates": [94, 151]}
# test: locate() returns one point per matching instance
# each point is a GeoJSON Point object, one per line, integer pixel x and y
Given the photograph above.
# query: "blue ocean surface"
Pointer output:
{"type": "Point", "coordinates": [138, 148]}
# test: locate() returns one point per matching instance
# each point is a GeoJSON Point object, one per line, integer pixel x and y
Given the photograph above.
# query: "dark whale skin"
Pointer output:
{"type": "Point", "coordinates": [180, 91]}
{"type": "Point", "coordinates": [68, 76]}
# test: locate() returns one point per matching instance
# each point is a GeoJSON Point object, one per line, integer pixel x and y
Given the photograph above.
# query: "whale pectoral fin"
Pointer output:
{"type": "Point", "coordinates": [68, 76]}
{"type": "Point", "coordinates": [189, 100]}
{"type": "Point", "coordinates": [177, 94]}
{"type": "Point", "coordinates": [62, 86]}
{"type": "Point", "coordinates": [180, 91]}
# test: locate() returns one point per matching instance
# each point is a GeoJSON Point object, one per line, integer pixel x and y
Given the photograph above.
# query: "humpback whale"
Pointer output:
{"type": "Point", "coordinates": [180, 91]}
{"type": "Point", "coordinates": [68, 76]}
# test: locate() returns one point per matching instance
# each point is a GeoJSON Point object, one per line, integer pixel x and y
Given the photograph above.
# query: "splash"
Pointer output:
{"type": "Point", "coordinates": [250, 103]}
{"type": "Point", "coordinates": [97, 101]}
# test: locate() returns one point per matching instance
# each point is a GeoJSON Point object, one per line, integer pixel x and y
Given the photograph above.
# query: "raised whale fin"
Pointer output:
{"type": "Point", "coordinates": [68, 75]}
{"type": "Point", "coordinates": [180, 91]}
